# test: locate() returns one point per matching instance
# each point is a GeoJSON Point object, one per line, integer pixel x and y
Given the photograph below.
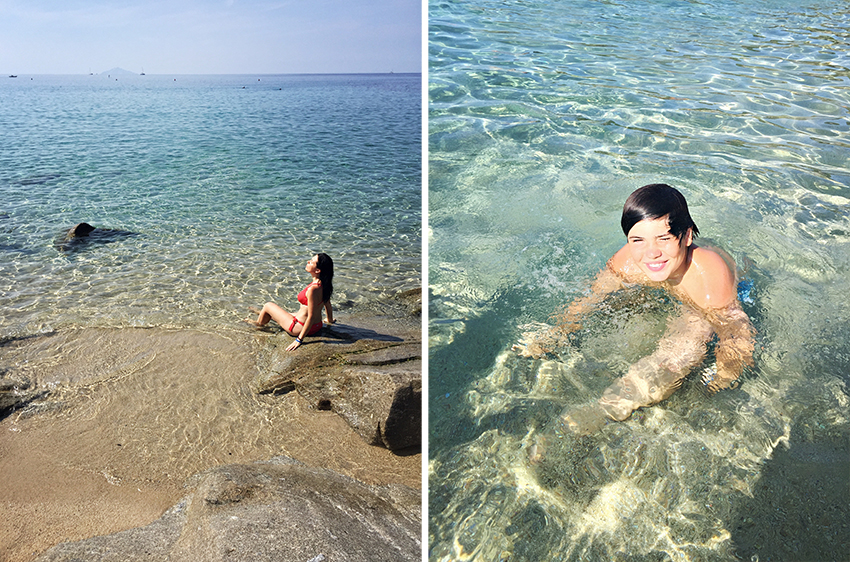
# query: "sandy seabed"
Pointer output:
{"type": "Point", "coordinates": [134, 413]}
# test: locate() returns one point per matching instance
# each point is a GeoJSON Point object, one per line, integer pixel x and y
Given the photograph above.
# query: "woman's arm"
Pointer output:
{"type": "Point", "coordinates": [735, 344]}
{"type": "Point", "coordinates": [711, 284]}
{"type": "Point", "coordinates": [329, 311]}
{"type": "Point", "coordinates": [568, 319]}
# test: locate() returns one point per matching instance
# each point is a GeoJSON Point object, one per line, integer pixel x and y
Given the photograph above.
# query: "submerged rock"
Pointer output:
{"type": "Point", "coordinates": [81, 229]}
{"type": "Point", "coordinates": [83, 233]}
{"type": "Point", "coordinates": [278, 510]}
{"type": "Point", "coordinates": [15, 391]}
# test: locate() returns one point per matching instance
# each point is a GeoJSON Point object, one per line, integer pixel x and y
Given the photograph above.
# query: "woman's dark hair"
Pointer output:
{"type": "Point", "coordinates": [656, 201]}
{"type": "Point", "coordinates": [326, 275]}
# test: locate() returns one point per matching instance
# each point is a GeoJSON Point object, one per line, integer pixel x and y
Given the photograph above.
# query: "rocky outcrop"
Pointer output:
{"type": "Point", "coordinates": [277, 510]}
{"type": "Point", "coordinates": [372, 380]}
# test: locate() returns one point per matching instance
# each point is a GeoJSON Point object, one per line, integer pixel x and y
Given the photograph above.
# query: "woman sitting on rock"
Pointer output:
{"type": "Point", "coordinates": [308, 320]}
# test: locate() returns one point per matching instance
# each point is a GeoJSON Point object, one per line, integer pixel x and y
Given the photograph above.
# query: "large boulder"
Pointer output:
{"type": "Point", "coordinates": [382, 404]}
{"type": "Point", "coordinates": [278, 510]}
{"type": "Point", "coordinates": [371, 381]}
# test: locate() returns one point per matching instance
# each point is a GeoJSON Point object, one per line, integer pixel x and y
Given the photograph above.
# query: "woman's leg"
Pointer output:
{"type": "Point", "coordinates": [271, 311]}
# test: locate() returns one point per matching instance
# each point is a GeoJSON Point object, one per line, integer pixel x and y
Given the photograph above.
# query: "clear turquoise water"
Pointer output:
{"type": "Point", "coordinates": [230, 183]}
{"type": "Point", "coordinates": [543, 117]}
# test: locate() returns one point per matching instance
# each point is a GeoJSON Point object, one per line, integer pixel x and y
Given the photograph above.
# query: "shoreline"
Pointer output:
{"type": "Point", "coordinates": [135, 413]}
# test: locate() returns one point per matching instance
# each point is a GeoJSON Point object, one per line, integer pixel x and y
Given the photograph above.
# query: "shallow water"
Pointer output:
{"type": "Point", "coordinates": [132, 413]}
{"type": "Point", "coordinates": [156, 405]}
{"type": "Point", "coordinates": [229, 184]}
{"type": "Point", "coordinates": [543, 118]}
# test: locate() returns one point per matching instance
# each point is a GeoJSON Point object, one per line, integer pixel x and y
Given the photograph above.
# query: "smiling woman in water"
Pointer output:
{"type": "Point", "coordinates": [660, 252]}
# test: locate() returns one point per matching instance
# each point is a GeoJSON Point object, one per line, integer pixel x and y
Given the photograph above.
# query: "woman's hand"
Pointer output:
{"type": "Point", "coordinates": [294, 345]}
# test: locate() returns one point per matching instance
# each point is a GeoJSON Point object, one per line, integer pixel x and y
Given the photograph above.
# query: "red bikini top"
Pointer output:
{"type": "Point", "coordinates": [302, 296]}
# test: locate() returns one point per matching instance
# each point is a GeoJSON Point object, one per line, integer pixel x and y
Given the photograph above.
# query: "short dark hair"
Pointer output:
{"type": "Point", "coordinates": [656, 201]}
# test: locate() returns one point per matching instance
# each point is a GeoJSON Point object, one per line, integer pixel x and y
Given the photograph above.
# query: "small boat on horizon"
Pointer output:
{"type": "Point", "coordinates": [13, 76]}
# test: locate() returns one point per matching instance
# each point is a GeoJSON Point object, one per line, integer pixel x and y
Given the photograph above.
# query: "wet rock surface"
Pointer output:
{"type": "Point", "coordinates": [277, 510]}
{"type": "Point", "coordinates": [368, 371]}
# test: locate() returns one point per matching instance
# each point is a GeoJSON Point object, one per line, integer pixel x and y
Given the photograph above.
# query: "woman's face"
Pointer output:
{"type": "Point", "coordinates": [657, 252]}
{"type": "Point", "coordinates": [313, 265]}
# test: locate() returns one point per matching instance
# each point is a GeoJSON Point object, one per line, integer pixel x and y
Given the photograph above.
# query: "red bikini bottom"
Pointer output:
{"type": "Point", "coordinates": [313, 329]}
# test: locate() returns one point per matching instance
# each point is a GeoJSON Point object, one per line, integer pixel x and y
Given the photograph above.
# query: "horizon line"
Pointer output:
{"type": "Point", "coordinates": [210, 73]}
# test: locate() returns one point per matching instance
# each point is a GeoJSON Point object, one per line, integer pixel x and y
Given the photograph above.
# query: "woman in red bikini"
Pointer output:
{"type": "Point", "coordinates": [308, 320]}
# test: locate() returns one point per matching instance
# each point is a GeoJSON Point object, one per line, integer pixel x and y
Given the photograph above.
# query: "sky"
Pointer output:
{"type": "Point", "coordinates": [210, 37]}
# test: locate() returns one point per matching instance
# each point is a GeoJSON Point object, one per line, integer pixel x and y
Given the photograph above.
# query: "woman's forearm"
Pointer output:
{"type": "Point", "coordinates": [735, 345]}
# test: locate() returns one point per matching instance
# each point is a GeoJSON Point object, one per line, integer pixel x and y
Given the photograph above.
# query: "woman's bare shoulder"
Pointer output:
{"type": "Point", "coordinates": [711, 283]}
{"type": "Point", "coordinates": [311, 290]}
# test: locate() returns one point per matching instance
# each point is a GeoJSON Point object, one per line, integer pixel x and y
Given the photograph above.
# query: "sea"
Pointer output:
{"type": "Point", "coordinates": [543, 117]}
{"type": "Point", "coordinates": [219, 190]}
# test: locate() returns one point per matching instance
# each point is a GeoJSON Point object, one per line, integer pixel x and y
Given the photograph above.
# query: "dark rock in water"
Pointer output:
{"type": "Point", "coordinates": [84, 233]}
{"type": "Point", "coordinates": [82, 229]}
{"type": "Point", "coordinates": [15, 391]}
{"type": "Point", "coordinates": [278, 510]}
